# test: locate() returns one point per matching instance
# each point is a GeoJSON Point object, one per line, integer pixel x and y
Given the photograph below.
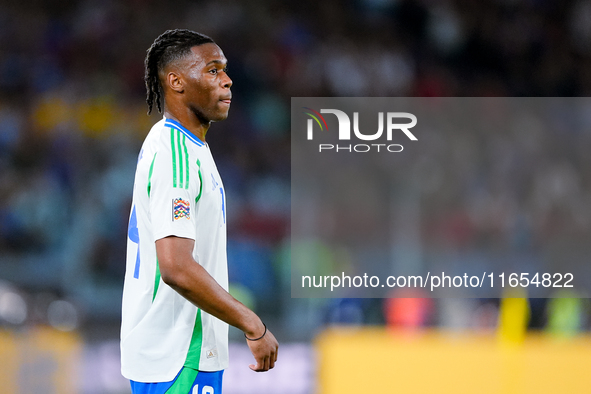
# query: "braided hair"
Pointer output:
{"type": "Point", "coordinates": [170, 46]}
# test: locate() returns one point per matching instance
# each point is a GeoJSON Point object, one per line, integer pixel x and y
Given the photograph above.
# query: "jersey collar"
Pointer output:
{"type": "Point", "coordinates": [176, 125]}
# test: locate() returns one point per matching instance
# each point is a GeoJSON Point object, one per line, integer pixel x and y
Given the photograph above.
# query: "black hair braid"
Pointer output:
{"type": "Point", "coordinates": [151, 78]}
{"type": "Point", "coordinates": [169, 46]}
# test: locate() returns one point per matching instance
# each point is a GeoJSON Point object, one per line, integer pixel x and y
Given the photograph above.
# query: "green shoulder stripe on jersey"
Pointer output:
{"type": "Point", "coordinates": [180, 167]}
{"type": "Point", "coordinates": [184, 382]}
{"type": "Point", "coordinates": [178, 142]}
{"type": "Point", "coordinates": [173, 148]}
{"type": "Point", "coordinates": [186, 162]}
{"type": "Point", "coordinates": [194, 353]}
{"type": "Point", "coordinates": [200, 182]}
{"type": "Point", "coordinates": [156, 280]}
{"type": "Point", "coordinates": [150, 174]}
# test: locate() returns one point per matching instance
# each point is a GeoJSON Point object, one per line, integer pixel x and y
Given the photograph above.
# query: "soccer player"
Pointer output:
{"type": "Point", "coordinates": [176, 307]}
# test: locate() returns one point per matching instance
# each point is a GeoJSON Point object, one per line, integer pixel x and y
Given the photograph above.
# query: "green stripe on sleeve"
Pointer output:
{"type": "Point", "coordinates": [156, 280]}
{"type": "Point", "coordinates": [186, 161]}
{"type": "Point", "coordinates": [173, 148]}
{"type": "Point", "coordinates": [200, 182]}
{"type": "Point", "coordinates": [178, 141]}
{"type": "Point", "coordinates": [150, 174]}
{"type": "Point", "coordinates": [194, 353]}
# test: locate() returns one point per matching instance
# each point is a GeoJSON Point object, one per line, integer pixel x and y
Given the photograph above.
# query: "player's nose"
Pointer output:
{"type": "Point", "coordinates": [226, 82]}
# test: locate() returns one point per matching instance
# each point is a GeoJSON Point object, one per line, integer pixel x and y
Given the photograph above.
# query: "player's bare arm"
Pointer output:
{"type": "Point", "coordinates": [181, 272]}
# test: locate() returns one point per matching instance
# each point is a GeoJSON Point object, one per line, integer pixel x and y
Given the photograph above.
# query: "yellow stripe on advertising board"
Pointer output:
{"type": "Point", "coordinates": [376, 360]}
{"type": "Point", "coordinates": [39, 360]}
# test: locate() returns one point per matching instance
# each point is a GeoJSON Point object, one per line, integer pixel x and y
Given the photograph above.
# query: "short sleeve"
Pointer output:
{"type": "Point", "coordinates": [172, 199]}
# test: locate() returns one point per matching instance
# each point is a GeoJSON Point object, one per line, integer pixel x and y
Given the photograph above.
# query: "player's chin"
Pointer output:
{"type": "Point", "coordinates": [220, 115]}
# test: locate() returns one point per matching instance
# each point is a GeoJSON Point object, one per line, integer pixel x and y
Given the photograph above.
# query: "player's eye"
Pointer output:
{"type": "Point", "coordinates": [213, 71]}
{"type": "Point", "coordinates": [225, 70]}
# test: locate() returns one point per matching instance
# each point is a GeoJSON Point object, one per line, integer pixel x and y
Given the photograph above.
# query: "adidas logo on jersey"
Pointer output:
{"type": "Point", "coordinates": [211, 353]}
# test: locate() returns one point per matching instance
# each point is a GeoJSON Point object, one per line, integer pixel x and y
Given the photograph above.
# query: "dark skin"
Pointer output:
{"type": "Point", "coordinates": [196, 93]}
{"type": "Point", "coordinates": [197, 89]}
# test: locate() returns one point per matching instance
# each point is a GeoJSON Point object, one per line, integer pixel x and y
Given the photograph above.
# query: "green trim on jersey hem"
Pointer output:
{"type": "Point", "coordinates": [173, 157]}
{"type": "Point", "coordinates": [194, 352]}
{"type": "Point", "coordinates": [184, 382]}
{"type": "Point", "coordinates": [150, 174]}
{"type": "Point", "coordinates": [156, 280]}
{"type": "Point", "coordinates": [200, 182]}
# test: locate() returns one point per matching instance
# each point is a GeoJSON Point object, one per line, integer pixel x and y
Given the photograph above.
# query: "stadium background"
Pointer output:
{"type": "Point", "coordinates": [72, 118]}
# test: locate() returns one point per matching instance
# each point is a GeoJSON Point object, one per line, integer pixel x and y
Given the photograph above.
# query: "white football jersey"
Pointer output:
{"type": "Point", "coordinates": [177, 192]}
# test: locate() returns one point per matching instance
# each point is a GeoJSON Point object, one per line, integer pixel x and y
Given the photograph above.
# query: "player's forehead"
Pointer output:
{"type": "Point", "coordinates": [205, 54]}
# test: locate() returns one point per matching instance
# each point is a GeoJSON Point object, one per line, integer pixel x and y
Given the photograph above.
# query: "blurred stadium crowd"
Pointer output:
{"type": "Point", "coordinates": [72, 118]}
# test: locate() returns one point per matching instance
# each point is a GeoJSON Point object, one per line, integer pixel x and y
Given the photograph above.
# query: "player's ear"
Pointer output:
{"type": "Point", "coordinates": [175, 82]}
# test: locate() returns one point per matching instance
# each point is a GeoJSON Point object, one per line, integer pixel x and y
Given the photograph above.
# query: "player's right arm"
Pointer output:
{"type": "Point", "coordinates": [175, 233]}
{"type": "Point", "coordinates": [180, 271]}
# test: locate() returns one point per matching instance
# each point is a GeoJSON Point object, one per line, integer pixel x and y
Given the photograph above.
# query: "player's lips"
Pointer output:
{"type": "Point", "coordinates": [226, 100]}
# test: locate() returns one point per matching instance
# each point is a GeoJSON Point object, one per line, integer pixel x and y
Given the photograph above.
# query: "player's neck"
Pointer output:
{"type": "Point", "coordinates": [189, 121]}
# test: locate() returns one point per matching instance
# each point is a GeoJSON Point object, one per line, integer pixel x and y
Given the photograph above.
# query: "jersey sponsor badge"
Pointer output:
{"type": "Point", "coordinates": [180, 209]}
